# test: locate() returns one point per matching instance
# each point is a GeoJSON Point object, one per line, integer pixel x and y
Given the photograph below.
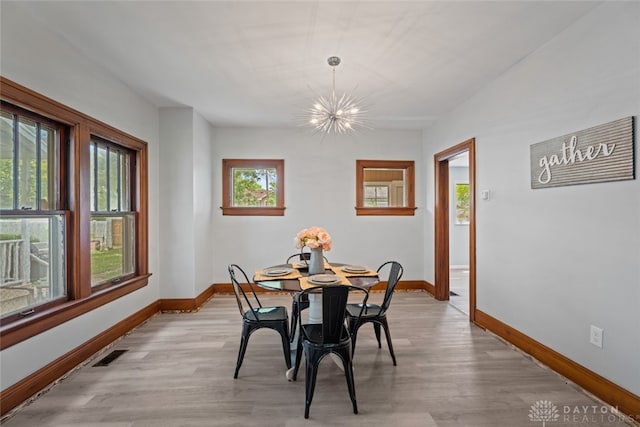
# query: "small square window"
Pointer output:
{"type": "Point", "coordinates": [253, 187]}
{"type": "Point", "coordinates": [385, 187]}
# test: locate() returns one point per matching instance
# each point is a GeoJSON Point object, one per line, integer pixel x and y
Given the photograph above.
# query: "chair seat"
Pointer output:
{"type": "Point", "coordinates": [314, 335]}
{"type": "Point", "coordinates": [267, 314]}
{"type": "Point", "coordinates": [372, 310]}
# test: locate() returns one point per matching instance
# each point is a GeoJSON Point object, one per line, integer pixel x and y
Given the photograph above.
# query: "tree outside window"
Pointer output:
{"type": "Point", "coordinates": [253, 187]}
{"type": "Point", "coordinates": [463, 206]}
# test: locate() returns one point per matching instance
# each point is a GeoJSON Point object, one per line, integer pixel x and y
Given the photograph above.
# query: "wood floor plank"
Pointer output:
{"type": "Point", "coordinates": [178, 371]}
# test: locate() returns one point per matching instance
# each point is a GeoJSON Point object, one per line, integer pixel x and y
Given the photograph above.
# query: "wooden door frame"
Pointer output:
{"type": "Point", "coordinates": [442, 264]}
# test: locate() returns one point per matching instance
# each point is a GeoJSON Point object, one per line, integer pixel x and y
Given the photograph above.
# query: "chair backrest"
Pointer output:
{"type": "Point", "coordinates": [236, 274]}
{"type": "Point", "coordinates": [395, 273]}
{"type": "Point", "coordinates": [334, 304]}
{"type": "Point", "coordinates": [300, 256]}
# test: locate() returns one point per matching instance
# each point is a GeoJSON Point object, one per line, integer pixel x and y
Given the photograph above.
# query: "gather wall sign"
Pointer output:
{"type": "Point", "coordinates": [598, 154]}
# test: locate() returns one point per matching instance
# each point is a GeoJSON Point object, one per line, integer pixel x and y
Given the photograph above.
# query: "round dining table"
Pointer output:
{"type": "Point", "coordinates": [366, 279]}
{"type": "Point", "coordinates": [292, 286]}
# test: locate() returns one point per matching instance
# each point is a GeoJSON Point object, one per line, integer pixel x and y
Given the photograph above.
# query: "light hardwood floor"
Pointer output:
{"type": "Point", "coordinates": [459, 289]}
{"type": "Point", "coordinates": [178, 371]}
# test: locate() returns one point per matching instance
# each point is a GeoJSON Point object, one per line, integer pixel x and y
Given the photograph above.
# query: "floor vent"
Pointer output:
{"type": "Point", "coordinates": [453, 294]}
{"type": "Point", "coordinates": [110, 357]}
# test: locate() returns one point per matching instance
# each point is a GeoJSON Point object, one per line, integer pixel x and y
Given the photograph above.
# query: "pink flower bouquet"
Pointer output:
{"type": "Point", "coordinates": [314, 237]}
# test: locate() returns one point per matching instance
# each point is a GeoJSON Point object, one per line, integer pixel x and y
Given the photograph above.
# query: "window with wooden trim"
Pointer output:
{"type": "Point", "coordinates": [112, 221]}
{"type": "Point", "coordinates": [68, 182]}
{"type": "Point", "coordinates": [253, 187]}
{"type": "Point", "coordinates": [385, 187]}
{"type": "Point", "coordinates": [32, 227]}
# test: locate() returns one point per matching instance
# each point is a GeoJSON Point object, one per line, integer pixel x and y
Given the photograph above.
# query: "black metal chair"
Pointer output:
{"type": "Point", "coordinates": [299, 301]}
{"type": "Point", "coordinates": [332, 336]}
{"type": "Point", "coordinates": [257, 316]}
{"type": "Point", "coordinates": [376, 314]}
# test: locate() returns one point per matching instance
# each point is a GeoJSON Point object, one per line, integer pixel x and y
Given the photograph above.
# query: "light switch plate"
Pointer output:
{"type": "Point", "coordinates": [595, 336]}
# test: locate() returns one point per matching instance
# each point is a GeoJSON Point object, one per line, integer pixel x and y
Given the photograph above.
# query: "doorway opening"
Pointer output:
{"type": "Point", "coordinates": [455, 206]}
{"type": "Point", "coordinates": [459, 204]}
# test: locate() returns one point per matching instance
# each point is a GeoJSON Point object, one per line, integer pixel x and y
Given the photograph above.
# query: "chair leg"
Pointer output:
{"type": "Point", "coordinates": [244, 339]}
{"type": "Point", "coordinates": [294, 320]}
{"type": "Point", "coordinates": [376, 328]}
{"type": "Point", "coordinates": [298, 359]}
{"type": "Point", "coordinates": [388, 335]}
{"type": "Point", "coordinates": [310, 385]}
{"type": "Point", "coordinates": [353, 331]}
{"type": "Point", "coordinates": [285, 344]}
{"type": "Point", "coordinates": [347, 362]}
{"type": "Point", "coordinates": [348, 370]}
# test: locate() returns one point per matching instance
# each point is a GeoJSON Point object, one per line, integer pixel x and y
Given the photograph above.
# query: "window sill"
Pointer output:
{"type": "Point", "coordinates": [386, 211]}
{"type": "Point", "coordinates": [252, 211]}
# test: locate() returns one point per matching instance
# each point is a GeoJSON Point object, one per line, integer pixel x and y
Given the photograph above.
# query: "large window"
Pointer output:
{"type": "Point", "coordinates": [32, 229]}
{"type": "Point", "coordinates": [112, 222]}
{"type": "Point", "coordinates": [73, 214]}
{"type": "Point", "coordinates": [385, 187]}
{"type": "Point", "coordinates": [252, 187]}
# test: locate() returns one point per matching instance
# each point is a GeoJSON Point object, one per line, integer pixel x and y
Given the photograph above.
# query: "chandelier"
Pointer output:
{"type": "Point", "coordinates": [335, 114]}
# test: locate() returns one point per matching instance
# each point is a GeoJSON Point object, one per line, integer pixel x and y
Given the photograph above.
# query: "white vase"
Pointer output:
{"type": "Point", "coordinates": [316, 262]}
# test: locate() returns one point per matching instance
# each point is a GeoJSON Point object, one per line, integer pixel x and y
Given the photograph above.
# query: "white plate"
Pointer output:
{"type": "Point", "coordinates": [355, 268]}
{"type": "Point", "coordinates": [324, 279]}
{"type": "Point", "coordinates": [277, 271]}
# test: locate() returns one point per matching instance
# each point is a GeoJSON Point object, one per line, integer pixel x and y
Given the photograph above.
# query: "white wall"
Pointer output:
{"type": "Point", "coordinates": [552, 262]}
{"type": "Point", "coordinates": [319, 190]}
{"type": "Point", "coordinates": [43, 62]}
{"type": "Point", "coordinates": [186, 203]}
{"type": "Point", "coordinates": [176, 203]}
{"type": "Point", "coordinates": [203, 203]}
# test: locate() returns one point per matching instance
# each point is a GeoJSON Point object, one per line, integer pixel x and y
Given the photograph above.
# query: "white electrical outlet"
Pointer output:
{"type": "Point", "coordinates": [595, 337]}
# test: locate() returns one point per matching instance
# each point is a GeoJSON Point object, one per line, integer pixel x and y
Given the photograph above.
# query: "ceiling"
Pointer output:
{"type": "Point", "coordinates": [262, 63]}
